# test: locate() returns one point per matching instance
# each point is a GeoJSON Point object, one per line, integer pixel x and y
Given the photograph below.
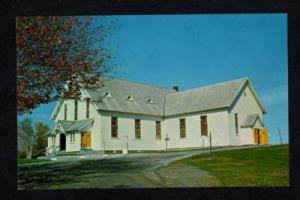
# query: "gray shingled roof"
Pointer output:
{"type": "Point", "coordinates": [165, 102]}
{"type": "Point", "coordinates": [140, 94]}
{"type": "Point", "coordinates": [204, 98]}
{"type": "Point", "coordinates": [74, 125]}
{"type": "Point", "coordinates": [250, 120]}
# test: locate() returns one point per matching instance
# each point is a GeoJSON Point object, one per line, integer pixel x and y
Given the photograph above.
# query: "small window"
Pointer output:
{"type": "Point", "coordinates": [182, 128]}
{"type": "Point", "coordinates": [114, 127]}
{"type": "Point", "coordinates": [76, 110]}
{"type": "Point", "coordinates": [244, 93]}
{"type": "Point", "coordinates": [236, 123]}
{"type": "Point", "coordinates": [66, 111]}
{"type": "Point", "coordinates": [158, 130]}
{"type": "Point", "coordinates": [72, 137]}
{"type": "Point", "coordinates": [137, 129]}
{"type": "Point", "coordinates": [203, 123]}
{"type": "Point", "coordinates": [88, 107]}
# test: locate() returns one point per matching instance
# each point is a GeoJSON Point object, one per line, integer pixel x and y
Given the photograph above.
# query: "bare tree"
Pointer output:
{"type": "Point", "coordinates": [26, 137]}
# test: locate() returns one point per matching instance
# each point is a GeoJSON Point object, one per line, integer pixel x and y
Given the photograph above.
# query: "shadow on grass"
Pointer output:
{"type": "Point", "coordinates": [48, 174]}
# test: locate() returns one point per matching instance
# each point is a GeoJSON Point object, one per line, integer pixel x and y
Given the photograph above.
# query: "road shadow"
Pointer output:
{"type": "Point", "coordinates": [46, 175]}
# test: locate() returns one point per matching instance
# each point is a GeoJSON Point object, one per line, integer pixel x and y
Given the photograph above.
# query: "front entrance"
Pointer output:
{"type": "Point", "coordinates": [62, 142]}
{"type": "Point", "coordinates": [260, 136]}
{"type": "Point", "coordinates": [85, 139]}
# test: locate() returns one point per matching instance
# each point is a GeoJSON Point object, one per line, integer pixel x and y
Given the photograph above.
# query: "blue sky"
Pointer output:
{"type": "Point", "coordinates": [202, 49]}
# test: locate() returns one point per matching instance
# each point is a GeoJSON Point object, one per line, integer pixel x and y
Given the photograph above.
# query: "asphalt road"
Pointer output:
{"type": "Point", "coordinates": [115, 171]}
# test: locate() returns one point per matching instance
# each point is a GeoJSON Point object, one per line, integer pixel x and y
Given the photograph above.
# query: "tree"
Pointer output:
{"type": "Point", "coordinates": [56, 55]}
{"type": "Point", "coordinates": [26, 136]}
{"type": "Point", "coordinates": [41, 141]}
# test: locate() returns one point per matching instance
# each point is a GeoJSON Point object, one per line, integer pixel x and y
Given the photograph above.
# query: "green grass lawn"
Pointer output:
{"type": "Point", "coordinates": [27, 161]}
{"type": "Point", "coordinates": [265, 166]}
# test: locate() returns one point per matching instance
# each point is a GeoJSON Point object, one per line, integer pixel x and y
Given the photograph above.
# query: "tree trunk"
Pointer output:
{"type": "Point", "coordinates": [29, 153]}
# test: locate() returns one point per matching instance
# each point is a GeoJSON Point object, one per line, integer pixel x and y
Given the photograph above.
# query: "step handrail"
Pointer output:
{"type": "Point", "coordinates": [52, 147]}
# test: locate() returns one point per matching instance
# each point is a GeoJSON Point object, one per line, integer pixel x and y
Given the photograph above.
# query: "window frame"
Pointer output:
{"type": "Point", "coordinates": [114, 127]}
{"type": "Point", "coordinates": [75, 109]}
{"type": "Point", "coordinates": [182, 127]}
{"type": "Point", "coordinates": [137, 129]}
{"type": "Point", "coordinates": [236, 122]}
{"type": "Point", "coordinates": [88, 101]}
{"type": "Point", "coordinates": [203, 125]}
{"type": "Point", "coordinates": [72, 137]}
{"type": "Point", "coordinates": [158, 130]}
{"type": "Point", "coordinates": [66, 112]}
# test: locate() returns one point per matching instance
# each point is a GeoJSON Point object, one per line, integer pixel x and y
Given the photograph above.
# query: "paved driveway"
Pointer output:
{"type": "Point", "coordinates": [114, 171]}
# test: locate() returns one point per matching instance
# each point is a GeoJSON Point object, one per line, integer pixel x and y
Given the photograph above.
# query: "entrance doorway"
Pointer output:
{"type": "Point", "coordinates": [261, 136]}
{"type": "Point", "coordinates": [256, 136]}
{"type": "Point", "coordinates": [62, 143]}
{"type": "Point", "coordinates": [85, 139]}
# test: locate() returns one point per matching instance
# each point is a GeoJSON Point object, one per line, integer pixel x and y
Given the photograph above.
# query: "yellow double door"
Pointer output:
{"type": "Point", "coordinates": [260, 136]}
{"type": "Point", "coordinates": [86, 139]}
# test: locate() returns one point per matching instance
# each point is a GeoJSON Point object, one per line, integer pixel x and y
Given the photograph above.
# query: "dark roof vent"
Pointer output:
{"type": "Point", "coordinates": [107, 94]}
{"type": "Point", "coordinates": [150, 100]}
{"type": "Point", "coordinates": [130, 98]}
{"type": "Point", "coordinates": [175, 88]}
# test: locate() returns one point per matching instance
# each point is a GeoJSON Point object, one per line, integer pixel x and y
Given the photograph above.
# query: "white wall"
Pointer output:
{"type": "Point", "coordinates": [74, 145]}
{"type": "Point", "coordinates": [126, 129]}
{"type": "Point", "coordinates": [95, 130]}
{"type": "Point", "coordinates": [50, 142]}
{"type": "Point", "coordinates": [246, 105]}
{"type": "Point", "coordinates": [217, 125]}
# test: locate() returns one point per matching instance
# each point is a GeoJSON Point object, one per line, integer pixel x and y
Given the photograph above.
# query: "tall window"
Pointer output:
{"type": "Point", "coordinates": [88, 107]}
{"type": "Point", "coordinates": [53, 139]}
{"type": "Point", "coordinates": [76, 110]}
{"type": "Point", "coordinates": [236, 123]}
{"type": "Point", "coordinates": [182, 128]}
{"type": "Point", "coordinates": [137, 128]}
{"type": "Point", "coordinates": [66, 111]}
{"type": "Point", "coordinates": [72, 137]}
{"type": "Point", "coordinates": [114, 127]}
{"type": "Point", "coordinates": [204, 130]}
{"type": "Point", "coordinates": [158, 130]}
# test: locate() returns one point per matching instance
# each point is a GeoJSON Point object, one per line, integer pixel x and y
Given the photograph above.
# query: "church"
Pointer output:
{"type": "Point", "coordinates": [123, 116]}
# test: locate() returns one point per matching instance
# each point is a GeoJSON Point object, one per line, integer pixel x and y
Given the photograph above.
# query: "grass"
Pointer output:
{"type": "Point", "coordinates": [265, 166]}
{"type": "Point", "coordinates": [29, 161]}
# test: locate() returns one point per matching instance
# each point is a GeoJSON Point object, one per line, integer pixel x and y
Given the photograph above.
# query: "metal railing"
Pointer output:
{"type": "Point", "coordinates": [53, 151]}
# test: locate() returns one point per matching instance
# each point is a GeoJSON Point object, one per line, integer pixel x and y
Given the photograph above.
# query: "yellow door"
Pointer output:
{"type": "Point", "coordinates": [256, 135]}
{"type": "Point", "coordinates": [86, 139]}
{"type": "Point", "coordinates": [264, 136]}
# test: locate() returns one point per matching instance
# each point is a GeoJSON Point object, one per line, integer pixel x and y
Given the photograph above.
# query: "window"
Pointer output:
{"type": "Point", "coordinates": [76, 110]}
{"type": "Point", "coordinates": [53, 139]}
{"type": "Point", "coordinates": [158, 130]}
{"type": "Point", "coordinates": [236, 123]}
{"type": "Point", "coordinates": [114, 127]}
{"type": "Point", "coordinates": [182, 128]}
{"type": "Point", "coordinates": [137, 128]}
{"type": "Point", "coordinates": [88, 107]}
{"type": "Point", "coordinates": [72, 137]}
{"type": "Point", "coordinates": [204, 130]}
{"type": "Point", "coordinates": [244, 93]}
{"type": "Point", "coordinates": [66, 111]}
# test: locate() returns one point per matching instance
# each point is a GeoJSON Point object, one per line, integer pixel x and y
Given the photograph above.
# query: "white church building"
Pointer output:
{"type": "Point", "coordinates": [124, 115]}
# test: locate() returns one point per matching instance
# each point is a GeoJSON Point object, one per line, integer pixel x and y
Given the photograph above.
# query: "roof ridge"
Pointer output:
{"type": "Point", "coordinates": [138, 83]}
{"type": "Point", "coordinates": [212, 85]}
